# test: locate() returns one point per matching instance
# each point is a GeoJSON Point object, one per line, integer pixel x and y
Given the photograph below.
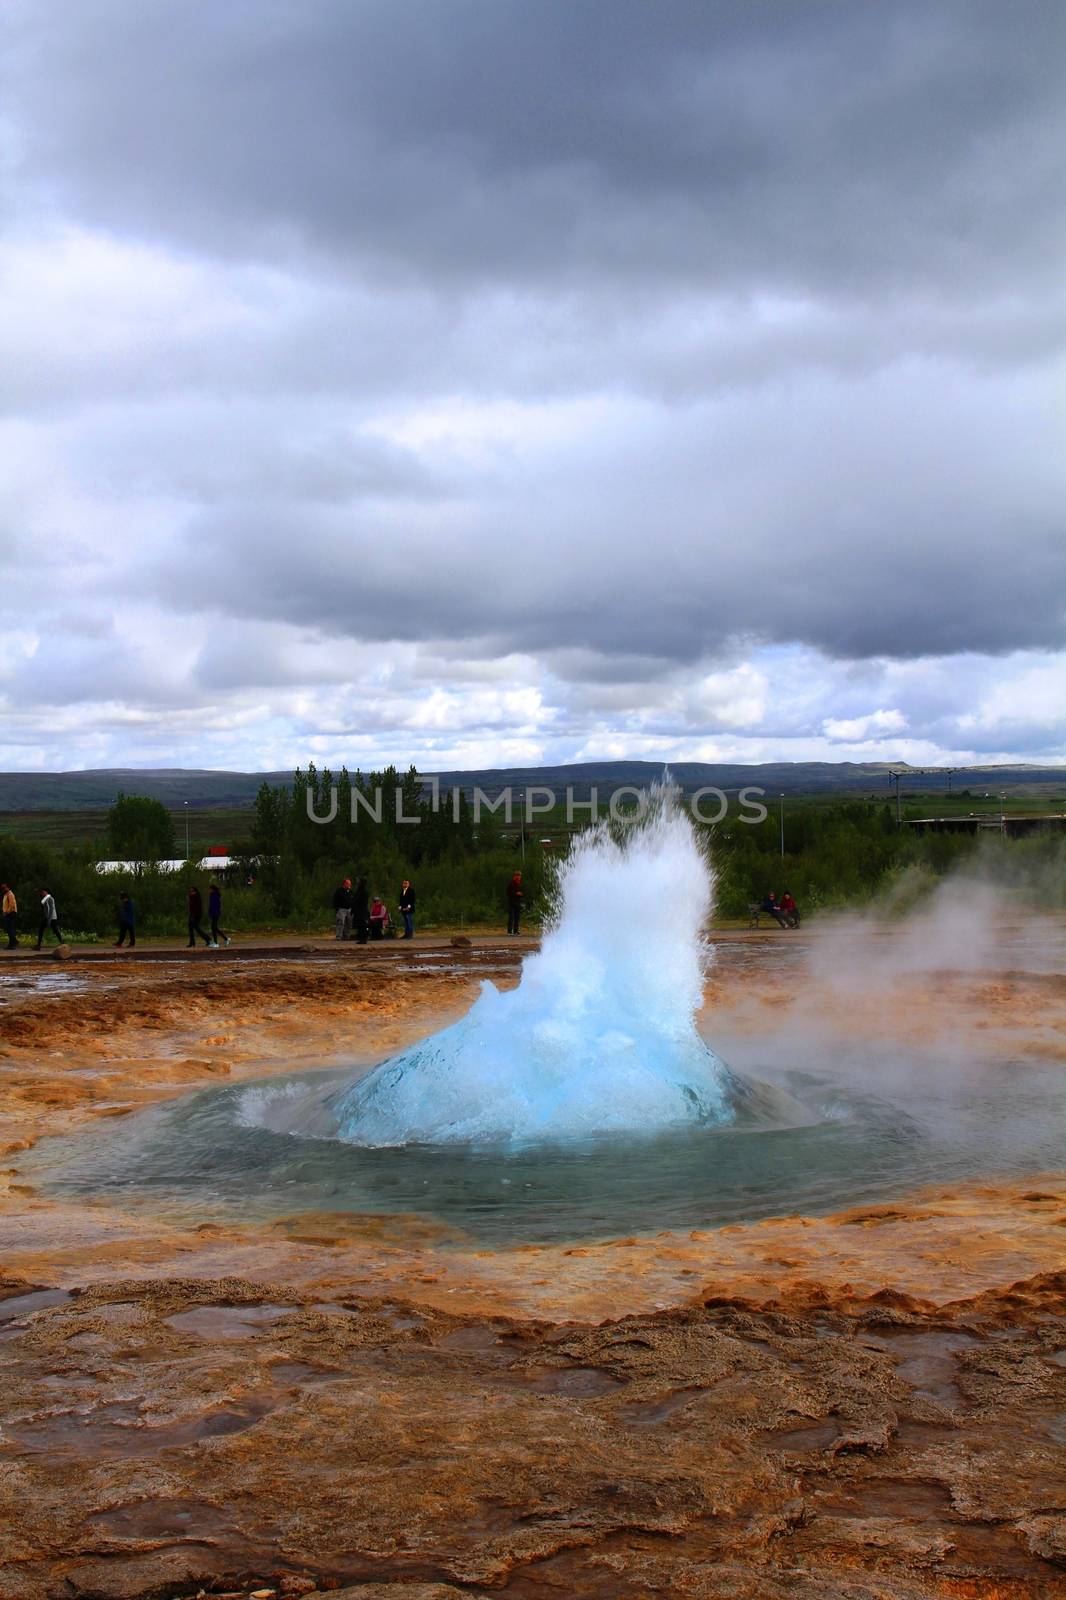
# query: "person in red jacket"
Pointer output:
{"type": "Point", "coordinates": [379, 917]}
{"type": "Point", "coordinates": [789, 910]}
{"type": "Point", "coordinates": [196, 917]}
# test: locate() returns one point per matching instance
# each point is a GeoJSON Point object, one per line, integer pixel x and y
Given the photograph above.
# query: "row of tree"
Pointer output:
{"type": "Point", "coordinates": [835, 855]}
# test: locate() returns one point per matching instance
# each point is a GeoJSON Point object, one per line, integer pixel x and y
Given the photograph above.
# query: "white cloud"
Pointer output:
{"type": "Point", "coordinates": [855, 730]}
{"type": "Point", "coordinates": [1032, 697]}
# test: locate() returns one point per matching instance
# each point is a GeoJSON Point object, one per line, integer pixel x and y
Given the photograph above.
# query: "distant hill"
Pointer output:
{"type": "Point", "coordinates": [83, 791]}
{"type": "Point", "coordinates": [78, 791]}
{"type": "Point", "coordinates": [776, 777]}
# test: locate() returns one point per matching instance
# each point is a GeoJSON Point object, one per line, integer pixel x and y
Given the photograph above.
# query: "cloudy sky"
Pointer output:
{"type": "Point", "coordinates": [487, 381]}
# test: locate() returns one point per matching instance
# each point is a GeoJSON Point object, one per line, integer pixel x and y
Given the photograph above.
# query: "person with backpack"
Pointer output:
{"type": "Point", "coordinates": [407, 908]}
{"type": "Point", "coordinates": [127, 921]}
{"type": "Point", "coordinates": [49, 920]}
{"type": "Point", "coordinates": [196, 917]}
{"type": "Point", "coordinates": [9, 907]}
{"type": "Point", "coordinates": [214, 912]}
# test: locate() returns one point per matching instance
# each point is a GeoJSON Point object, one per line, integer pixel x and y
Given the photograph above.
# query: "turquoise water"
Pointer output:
{"type": "Point", "coordinates": [202, 1158]}
{"type": "Point", "coordinates": [599, 1037]}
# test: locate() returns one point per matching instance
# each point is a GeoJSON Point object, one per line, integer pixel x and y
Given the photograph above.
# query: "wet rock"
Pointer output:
{"type": "Point", "coordinates": [672, 1450]}
{"type": "Point", "coordinates": [399, 1591]}
{"type": "Point", "coordinates": [1045, 1536]}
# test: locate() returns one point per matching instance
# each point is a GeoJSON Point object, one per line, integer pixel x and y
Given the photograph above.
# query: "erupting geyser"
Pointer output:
{"type": "Point", "coordinates": [599, 1037]}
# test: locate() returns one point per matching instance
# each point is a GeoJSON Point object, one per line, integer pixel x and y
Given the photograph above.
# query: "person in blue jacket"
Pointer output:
{"type": "Point", "coordinates": [127, 921]}
{"type": "Point", "coordinates": [214, 912]}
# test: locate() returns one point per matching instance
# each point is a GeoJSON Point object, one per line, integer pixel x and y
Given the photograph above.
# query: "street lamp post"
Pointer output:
{"type": "Point", "coordinates": [522, 825]}
{"type": "Point", "coordinates": [185, 803]}
{"type": "Point", "coordinates": [781, 814]}
{"type": "Point", "coordinates": [894, 777]}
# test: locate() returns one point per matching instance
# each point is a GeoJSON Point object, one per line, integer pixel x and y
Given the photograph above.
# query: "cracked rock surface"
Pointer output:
{"type": "Point", "coordinates": [167, 1435]}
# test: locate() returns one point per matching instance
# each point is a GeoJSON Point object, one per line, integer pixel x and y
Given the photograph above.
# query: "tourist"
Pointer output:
{"type": "Point", "coordinates": [10, 911]}
{"type": "Point", "coordinates": [407, 908]}
{"type": "Point", "coordinates": [379, 917]}
{"type": "Point", "coordinates": [361, 911]}
{"type": "Point", "coordinates": [214, 912]}
{"type": "Point", "coordinates": [772, 909]}
{"type": "Point", "coordinates": [127, 922]}
{"type": "Point", "coordinates": [789, 910]}
{"type": "Point", "coordinates": [48, 919]}
{"type": "Point", "coordinates": [342, 908]}
{"type": "Point", "coordinates": [514, 903]}
{"type": "Point", "coordinates": [196, 917]}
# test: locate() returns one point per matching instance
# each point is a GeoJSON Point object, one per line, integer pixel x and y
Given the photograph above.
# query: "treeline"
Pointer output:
{"type": "Point", "coordinates": [289, 865]}
{"type": "Point", "coordinates": [835, 855]}
{"type": "Point", "coordinates": [383, 826]}
{"type": "Point", "coordinates": [852, 853]}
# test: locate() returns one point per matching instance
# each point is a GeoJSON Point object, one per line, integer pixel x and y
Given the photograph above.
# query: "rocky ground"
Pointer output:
{"type": "Point", "coordinates": [870, 1405]}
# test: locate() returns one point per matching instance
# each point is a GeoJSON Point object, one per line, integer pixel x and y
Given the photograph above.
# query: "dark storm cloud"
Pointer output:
{"type": "Point", "coordinates": [861, 533]}
{"type": "Point", "coordinates": [683, 365]}
{"type": "Point", "coordinates": [846, 590]}
{"type": "Point", "coordinates": [754, 143]}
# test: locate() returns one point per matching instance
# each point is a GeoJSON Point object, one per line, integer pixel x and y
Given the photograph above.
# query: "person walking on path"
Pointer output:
{"type": "Point", "coordinates": [214, 912]}
{"type": "Point", "coordinates": [361, 910]}
{"type": "Point", "coordinates": [514, 903]}
{"type": "Point", "coordinates": [48, 918]}
{"type": "Point", "coordinates": [196, 917]}
{"type": "Point", "coordinates": [10, 910]}
{"type": "Point", "coordinates": [127, 922]}
{"type": "Point", "coordinates": [342, 907]}
{"type": "Point", "coordinates": [407, 908]}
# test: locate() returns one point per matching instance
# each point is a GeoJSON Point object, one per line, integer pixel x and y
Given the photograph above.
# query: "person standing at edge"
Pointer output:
{"type": "Point", "coordinates": [342, 906]}
{"type": "Point", "coordinates": [48, 918]}
{"type": "Point", "coordinates": [196, 917]}
{"type": "Point", "coordinates": [10, 908]}
{"type": "Point", "coordinates": [514, 903]}
{"type": "Point", "coordinates": [407, 908]}
{"type": "Point", "coordinates": [214, 912]}
{"type": "Point", "coordinates": [361, 911]}
{"type": "Point", "coordinates": [127, 921]}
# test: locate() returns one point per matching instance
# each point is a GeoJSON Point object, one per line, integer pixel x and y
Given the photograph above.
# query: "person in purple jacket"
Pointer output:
{"type": "Point", "coordinates": [214, 911]}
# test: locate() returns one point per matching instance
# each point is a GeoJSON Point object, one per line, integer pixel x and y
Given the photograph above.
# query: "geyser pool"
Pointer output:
{"type": "Point", "coordinates": [202, 1158]}
{"type": "Point", "coordinates": [584, 1103]}
{"type": "Point", "coordinates": [600, 1035]}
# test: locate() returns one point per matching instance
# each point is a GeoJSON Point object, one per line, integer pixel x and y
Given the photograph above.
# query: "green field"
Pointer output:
{"type": "Point", "coordinates": [87, 829]}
